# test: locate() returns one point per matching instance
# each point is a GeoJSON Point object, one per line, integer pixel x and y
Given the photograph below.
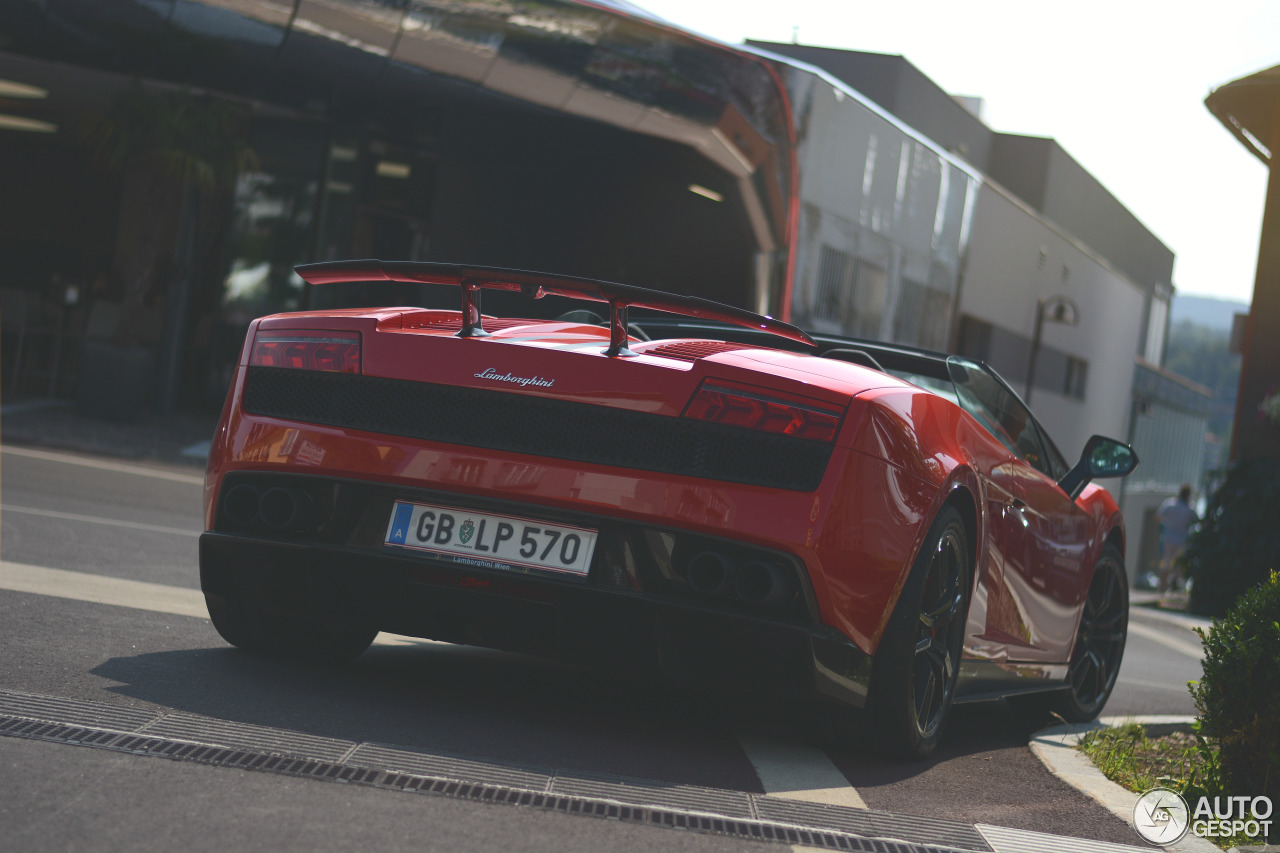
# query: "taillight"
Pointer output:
{"type": "Point", "coordinates": [732, 404]}
{"type": "Point", "coordinates": [306, 350]}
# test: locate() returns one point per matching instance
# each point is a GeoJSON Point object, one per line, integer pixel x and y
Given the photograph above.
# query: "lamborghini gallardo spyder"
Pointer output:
{"type": "Point", "coordinates": [712, 494]}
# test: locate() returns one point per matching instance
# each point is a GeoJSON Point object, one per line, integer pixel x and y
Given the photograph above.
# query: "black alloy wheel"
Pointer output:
{"type": "Point", "coordinates": [1099, 646]}
{"type": "Point", "coordinates": [939, 633]}
{"type": "Point", "coordinates": [916, 667]}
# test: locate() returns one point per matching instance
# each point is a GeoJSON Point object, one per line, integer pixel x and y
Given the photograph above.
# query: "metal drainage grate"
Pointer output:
{"type": "Point", "coordinates": [245, 759]}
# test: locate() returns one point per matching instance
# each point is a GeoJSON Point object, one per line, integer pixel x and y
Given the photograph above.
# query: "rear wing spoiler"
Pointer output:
{"type": "Point", "coordinates": [536, 285]}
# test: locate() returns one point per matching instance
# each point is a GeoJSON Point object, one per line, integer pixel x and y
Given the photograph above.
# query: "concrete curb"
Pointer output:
{"type": "Point", "coordinates": [1056, 748]}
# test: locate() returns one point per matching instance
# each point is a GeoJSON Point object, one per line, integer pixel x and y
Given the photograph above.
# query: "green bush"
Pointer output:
{"type": "Point", "coordinates": [1239, 696]}
{"type": "Point", "coordinates": [1238, 542]}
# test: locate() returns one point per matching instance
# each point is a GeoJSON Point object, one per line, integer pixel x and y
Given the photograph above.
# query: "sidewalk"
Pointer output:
{"type": "Point", "coordinates": [182, 439]}
{"type": "Point", "coordinates": [1167, 607]}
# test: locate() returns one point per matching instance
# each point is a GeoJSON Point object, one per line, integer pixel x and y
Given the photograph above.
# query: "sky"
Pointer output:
{"type": "Point", "coordinates": [1119, 83]}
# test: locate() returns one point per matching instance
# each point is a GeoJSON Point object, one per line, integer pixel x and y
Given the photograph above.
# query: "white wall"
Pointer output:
{"type": "Point", "coordinates": [1014, 257]}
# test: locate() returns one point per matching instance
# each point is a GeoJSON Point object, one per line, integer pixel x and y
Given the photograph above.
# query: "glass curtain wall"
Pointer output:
{"type": "Point", "coordinates": [883, 219]}
{"type": "Point", "coordinates": [551, 135]}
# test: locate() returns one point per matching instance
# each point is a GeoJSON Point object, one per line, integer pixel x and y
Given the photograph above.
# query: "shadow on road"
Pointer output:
{"type": "Point", "coordinates": [459, 700]}
{"type": "Point", "coordinates": [517, 710]}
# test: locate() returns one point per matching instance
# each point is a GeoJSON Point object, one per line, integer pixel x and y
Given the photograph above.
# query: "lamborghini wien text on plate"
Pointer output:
{"type": "Point", "coordinates": [701, 491]}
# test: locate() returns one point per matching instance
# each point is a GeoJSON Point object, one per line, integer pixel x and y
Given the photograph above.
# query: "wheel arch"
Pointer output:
{"type": "Point", "coordinates": [894, 667]}
{"type": "Point", "coordinates": [1116, 538]}
{"type": "Point", "coordinates": [964, 502]}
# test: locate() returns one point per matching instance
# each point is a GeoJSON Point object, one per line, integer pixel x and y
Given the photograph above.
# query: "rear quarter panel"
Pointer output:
{"type": "Point", "coordinates": [916, 452]}
{"type": "Point", "coordinates": [909, 456]}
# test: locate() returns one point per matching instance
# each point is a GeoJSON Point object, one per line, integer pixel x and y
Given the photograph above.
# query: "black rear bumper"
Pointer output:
{"type": "Point", "coordinates": [621, 629]}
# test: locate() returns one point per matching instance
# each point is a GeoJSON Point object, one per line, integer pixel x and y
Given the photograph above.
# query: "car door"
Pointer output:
{"type": "Point", "coordinates": [1007, 632]}
{"type": "Point", "coordinates": [1042, 535]}
{"type": "Point", "coordinates": [1058, 537]}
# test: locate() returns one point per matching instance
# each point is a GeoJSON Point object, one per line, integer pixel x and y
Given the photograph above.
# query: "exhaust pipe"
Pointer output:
{"type": "Point", "coordinates": [763, 585]}
{"type": "Point", "coordinates": [241, 505]}
{"type": "Point", "coordinates": [711, 573]}
{"type": "Point", "coordinates": [284, 509]}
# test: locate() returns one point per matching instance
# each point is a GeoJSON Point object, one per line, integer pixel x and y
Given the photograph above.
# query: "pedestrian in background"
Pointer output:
{"type": "Point", "coordinates": [1176, 519]}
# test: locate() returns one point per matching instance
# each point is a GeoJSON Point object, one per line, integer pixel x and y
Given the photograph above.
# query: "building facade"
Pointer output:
{"type": "Point", "coordinates": [583, 139]}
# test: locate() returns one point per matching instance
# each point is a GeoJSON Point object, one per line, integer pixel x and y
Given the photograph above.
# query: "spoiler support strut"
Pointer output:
{"type": "Point", "coordinates": [472, 319]}
{"type": "Point", "coordinates": [618, 336]}
{"type": "Point", "coordinates": [472, 280]}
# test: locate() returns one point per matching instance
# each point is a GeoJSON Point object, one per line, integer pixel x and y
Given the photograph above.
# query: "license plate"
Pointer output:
{"type": "Point", "coordinates": [491, 541]}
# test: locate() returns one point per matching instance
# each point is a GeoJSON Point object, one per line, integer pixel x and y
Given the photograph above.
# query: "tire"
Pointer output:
{"type": "Point", "coordinates": [914, 672]}
{"type": "Point", "coordinates": [241, 627]}
{"type": "Point", "coordinates": [279, 634]}
{"type": "Point", "coordinates": [1099, 645]}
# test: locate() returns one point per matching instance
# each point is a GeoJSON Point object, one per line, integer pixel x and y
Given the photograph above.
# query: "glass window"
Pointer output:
{"type": "Point", "coordinates": [834, 275]}
{"type": "Point", "coordinates": [869, 290]}
{"type": "Point", "coordinates": [1077, 374]}
{"type": "Point", "coordinates": [922, 316]}
{"type": "Point", "coordinates": [1001, 413]}
{"type": "Point", "coordinates": [272, 228]}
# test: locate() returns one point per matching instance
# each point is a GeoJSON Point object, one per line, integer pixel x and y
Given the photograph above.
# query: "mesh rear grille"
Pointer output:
{"type": "Point", "coordinates": [520, 423]}
{"type": "Point", "coordinates": [453, 324]}
{"type": "Point", "coordinates": [693, 350]}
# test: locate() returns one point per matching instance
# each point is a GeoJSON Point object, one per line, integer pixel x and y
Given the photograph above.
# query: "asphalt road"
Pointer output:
{"type": "Point", "coordinates": [100, 518]}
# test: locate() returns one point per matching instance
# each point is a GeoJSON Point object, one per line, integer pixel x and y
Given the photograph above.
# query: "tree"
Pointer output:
{"type": "Point", "coordinates": [1202, 354]}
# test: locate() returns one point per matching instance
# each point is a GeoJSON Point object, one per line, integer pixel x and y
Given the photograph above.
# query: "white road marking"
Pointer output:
{"type": "Point", "coordinates": [103, 465]}
{"type": "Point", "coordinates": [140, 595]}
{"type": "Point", "coordinates": [95, 519]}
{"type": "Point", "coordinates": [1195, 650]}
{"type": "Point", "coordinates": [1159, 685]}
{"type": "Point", "coordinates": [100, 589]}
{"type": "Point", "coordinates": [796, 772]}
{"type": "Point", "coordinates": [1005, 840]}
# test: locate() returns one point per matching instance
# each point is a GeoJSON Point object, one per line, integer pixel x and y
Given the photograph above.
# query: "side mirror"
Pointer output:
{"type": "Point", "coordinates": [1102, 457]}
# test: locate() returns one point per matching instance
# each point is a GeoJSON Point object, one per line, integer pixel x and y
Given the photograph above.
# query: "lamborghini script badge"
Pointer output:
{"type": "Point", "coordinates": [490, 373]}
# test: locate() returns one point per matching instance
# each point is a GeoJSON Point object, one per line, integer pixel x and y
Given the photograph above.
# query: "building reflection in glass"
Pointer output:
{"type": "Point", "coordinates": [543, 135]}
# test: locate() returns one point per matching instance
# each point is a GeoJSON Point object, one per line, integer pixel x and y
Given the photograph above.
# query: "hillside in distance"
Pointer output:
{"type": "Point", "coordinates": [1206, 311]}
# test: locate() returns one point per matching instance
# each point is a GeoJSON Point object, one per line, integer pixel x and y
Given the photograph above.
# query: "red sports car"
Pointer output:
{"type": "Point", "coordinates": [717, 496]}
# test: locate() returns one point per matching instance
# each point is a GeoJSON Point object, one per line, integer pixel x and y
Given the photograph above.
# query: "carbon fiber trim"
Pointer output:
{"type": "Point", "coordinates": [521, 423]}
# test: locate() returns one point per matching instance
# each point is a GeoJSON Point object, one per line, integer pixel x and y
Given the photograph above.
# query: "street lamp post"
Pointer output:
{"type": "Point", "coordinates": [1054, 309]}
